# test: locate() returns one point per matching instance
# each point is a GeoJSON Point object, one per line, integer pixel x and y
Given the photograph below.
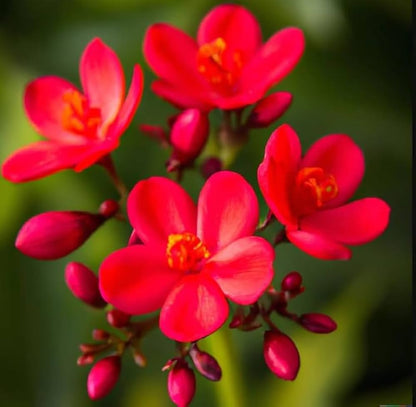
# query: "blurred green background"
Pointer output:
{"type": "Point", "coordinates": [354, 78]}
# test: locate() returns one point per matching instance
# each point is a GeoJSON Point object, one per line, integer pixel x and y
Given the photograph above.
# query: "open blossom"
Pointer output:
{"type": "Point", "coordinates": [192, 258]}
{"type": "Point", "coordinates": [227, 66]}
{"type": "Point", "coordinates": [79, 127]}
{"type": "Point", "coordinates": [309, 194]}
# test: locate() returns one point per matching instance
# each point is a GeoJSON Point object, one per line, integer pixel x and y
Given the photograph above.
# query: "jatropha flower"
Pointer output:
{"type": "Point", "coordinates": [227, 66]}
{"type": "Point", "coordinates": [309, 194]}
{"type": "Point", "coordinates": [192, 257]}
{"type": "Point", "coordinates": [80, 127]}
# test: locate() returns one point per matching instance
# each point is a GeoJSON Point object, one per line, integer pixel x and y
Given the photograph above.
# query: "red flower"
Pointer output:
{"type": "Point", "coordinates": [80, 128]}
{"type": "Point", "coordinates": [308, 194]}
{"type": "Point", "coordinates": [227, 66]}
{"type": "Point", "coordinates": [192, 257]}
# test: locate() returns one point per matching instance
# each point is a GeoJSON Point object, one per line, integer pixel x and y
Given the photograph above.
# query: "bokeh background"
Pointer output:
{"type": "Point", "coordinates": [354, 78]}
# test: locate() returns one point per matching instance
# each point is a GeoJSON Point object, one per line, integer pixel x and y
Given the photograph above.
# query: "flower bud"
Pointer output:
{"type": "Point", "coordinates": [103, 376]}
{"type": "Point", "coordinates": [281, 355]}
{"type": "Point", "coordinates": [188, 136]}
{"type": "Point", "coordinates": [210, 166]}
{"type": "Point", "coordinates": [205, 364]}
{"type": "Point", "coordinates": [83, 284]}
{"type": "Point", "coordinates": [292, 281]}
{"type": "Point", "coordinates": [52, 235]}
{"type": "Point", "coordinates": [317, 323]}
{"type": "Point", "coordinates": [85, 359]}
{"type": "Point", "coordinates": [100, 335]}
{"type": "Point", "coordinates": [156, 132]}
{"type": "Point", "coordinates": [109, 208]}
{"type": "Point", "coordinates": [269, 109]}
{"type": "Point", "coordinates": [181, 384]}
{"type": "Point", "coordinates": [117, 318]}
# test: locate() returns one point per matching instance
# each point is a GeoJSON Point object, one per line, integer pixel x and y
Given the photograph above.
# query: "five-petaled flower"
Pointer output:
{"type": "Point", "coordinates": [308, 194]}
{"type": "Point", "coordinates": [80, 128]}
{"type": "Point", "coordinates": [192, 257]}
{"type": "Point", "coordinates": [227, 66]}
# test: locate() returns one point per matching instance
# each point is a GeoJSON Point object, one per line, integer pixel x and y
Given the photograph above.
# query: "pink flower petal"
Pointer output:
{"type": "Point", "coordinates": [355, 223]}
{"type": "Point", "coordinates": [277, 172]}
{"type": "Point", "coordinates": [181, 97]}
{"type": "Point", "coordinates": [129, 107]}
{"type": "Point", "coordinates": [243, 269]}
{"type": "Point", "coordinates": [137, 279]}
{"type": "Point", "coordinates": [273, 61]}
{"type": "Point", "coordinates": [172, 56]}
{"type": "Point", "coordinates": [235, 25]}
{"type": "Point", "coordinates": [44, 104]}
{"type": "Point", "coordinates": [318, 246]}
{"type": "Point", "coordinates": [102, 79]}
{"type": "Point", "coordinates": [40, 159]}
{"type": "Point", "coordinates": [195, 308]}
{"type": "Point", "coordinates": [158, 207]}
{"type": "Point", "coordinates": [227, 210]}
{"type": "Point", "coordinates": [95, 152]}
{"type": "Point", "coordinates": [338, 155]}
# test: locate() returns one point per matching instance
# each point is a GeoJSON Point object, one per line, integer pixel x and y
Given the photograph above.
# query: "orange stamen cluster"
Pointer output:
{"type": "Point", "coordinates": [77, 116]}
{"type": "Point", "coordinates": [313, 188]}
{"type": "Point", "coordinates": [217, 65]}
{"type": "Point", "coordinates": [185, 252]}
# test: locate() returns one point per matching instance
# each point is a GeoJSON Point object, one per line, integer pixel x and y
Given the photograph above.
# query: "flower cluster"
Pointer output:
{"type": "Point", "coordinates": [194, 266]}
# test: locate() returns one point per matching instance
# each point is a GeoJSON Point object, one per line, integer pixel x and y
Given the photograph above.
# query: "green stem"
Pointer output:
{"type": "Point", "coordinates": [229, 389]}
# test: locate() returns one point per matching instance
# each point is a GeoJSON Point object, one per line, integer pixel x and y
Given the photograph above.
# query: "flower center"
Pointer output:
{"type": "Point", "coordinates": [77, 116]}
{"type": "Point", "coordinates": [218, 65]}
{"type": "Point", "coordinates": [185, 252]}
{"type": "Point", "coordinates": [313, 188]}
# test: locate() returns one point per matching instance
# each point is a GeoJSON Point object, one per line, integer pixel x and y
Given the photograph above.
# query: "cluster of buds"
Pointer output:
{"type": "Point", "coordinates": [187, 261]}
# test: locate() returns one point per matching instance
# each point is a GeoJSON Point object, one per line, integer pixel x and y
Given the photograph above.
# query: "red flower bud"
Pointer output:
{"type": "Point", "coordinates": [52, 235]}
{"type": "Point", "coordinates": [292, 281]}
{"type": "Point", "coordinates": [205, 364]}
{"type": "Point", "coordinates": [109, 208]}
{"type": "Point", "coordinates": [181, 384]}
{"type": "Point", "coordinates": [100, 335]}
{"type": "Point", "coordinates": [188, 136]}
{"type": "Point", "coordinates": [281, 355]}
{"type": "Point", "coordinates": [103, 376]}
{"type": "Point", "coordinates": [318, 323]}
{"type": "Point", "coordinates": [83, 284]}
{"type": "Point", "coordinates": [85, 359]}
{"type": "Point", "coordinates": [156, 132]}
{"type": "Point", "coordinates": [117, 318]}
{"type": "Point", "coordinates": [210, 166]}
{"type": "Point", "coordinates": [269, 109]}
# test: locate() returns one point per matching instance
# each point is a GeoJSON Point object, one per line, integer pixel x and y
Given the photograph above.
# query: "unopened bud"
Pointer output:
{"type": "Point", "coordinates": [181, 384]}
{"type": "Point", "coordinates": [109, 208]}
{"type": "Point", "coordinates": [52, 235]}
{"type": "Point", "coordinates": [117, 318]}
{"type": "Point", "coordinates": [205, 364]}
{"type": "Point", "coordinates": [103, 376]}
{"type": "Point", "coordinates": [292, 281]}
{"type": "Point", "coordinates": [83, 284]}
{"type": "Point", "coordinates": [85, 359]}
{"type": "Point", "coordinates": [281, 355]}
{"type": "Point", "coordinates": [318, 323]}
{"type": "Point", "coordinates": [269, 109]}
{"type": "Point", "coordinates": [100, 335]}
{"type": "Point", "coordinates": [139, 358]}
{"type": "Point", "coordinates": [210, 166]}
{"type": "Point", "coordinates": [156, 132]}
{"type": "Point", "coordinates": [188, 136]}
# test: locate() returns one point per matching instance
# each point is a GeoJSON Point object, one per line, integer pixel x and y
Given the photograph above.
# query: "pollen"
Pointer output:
{"type": "Point", "coordinates": [313, 189]}
{"type": "Point", "coordinates": [218, 64]}
{"type": "Point", "coordinates": [185, 252]}
{"type": "Point", "coordinates": [77, 116]}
